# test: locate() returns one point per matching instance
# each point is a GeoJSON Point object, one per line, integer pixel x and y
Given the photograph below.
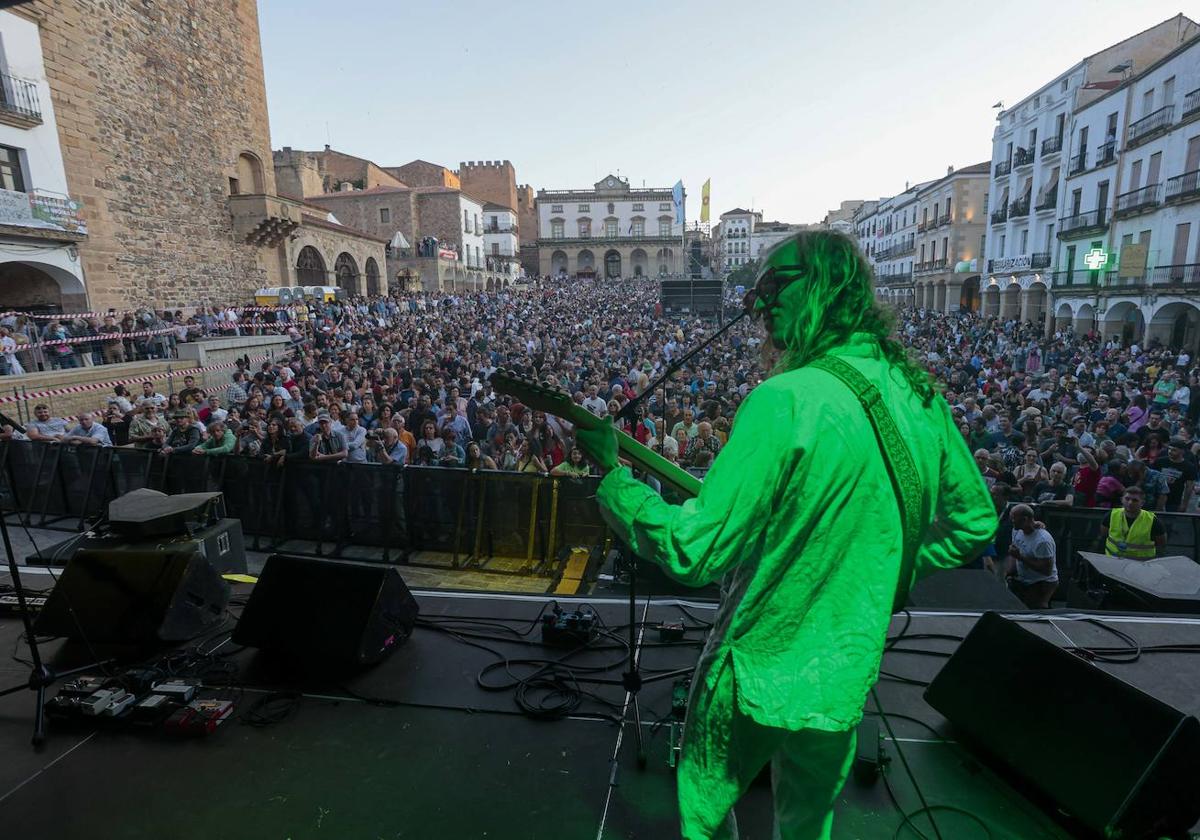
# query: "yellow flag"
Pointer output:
{"type": "Point", "coordinates": [704, 200]}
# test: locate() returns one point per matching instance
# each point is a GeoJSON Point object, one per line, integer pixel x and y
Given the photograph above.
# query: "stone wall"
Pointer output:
{"type": "Point", "coordinates": [297, 174]}
{"type": "Point", "coordinates": [155, 102]}
{"type": "Point", "coordinates": [491, 180]}
{"type": "Point", "coordinates": [332, 243]}
{"type": "Point", "coordinates": [440, 215]}
{"type": "Point", "coordinates": [422, 173]}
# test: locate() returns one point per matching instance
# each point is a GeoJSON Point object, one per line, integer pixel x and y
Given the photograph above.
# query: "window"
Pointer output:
{"type": "Point", "coordinates": [585, 228]}
{"type": "Point", "coordinates": [495, 249]}
{"type": "Point", "coordinates": [1024, 242]}
{"type": "Point", "coordinates": [1003, 243]}
{"type": "Point", "coordinates": [666, 205]}
{"type": "Point", "coordinates": [585, 208]}
{"type": "Point", "coordinates": [234, 186]}
{"type": "Point", "coordinates": [638, 208]}
{"type": "Point", "coordinates": [556, 229]}
{"type": "Point", "coordinates": [385, 215]}
{"type": "Point", "coordinates": [664, 227]}
{"type": "Point", "coordinates": [10, 169]}
{"type": "Point", "coordinates": [1063, 87]}
{"type": "Point", "coordinates": [945, 247]}
{"type": "Point", "coordinates": [556, 208]}
{"type": "Point", "coordinates": [466, 222]}
{"type": "Point", "coordinates": [610, 228]}
{"type": "Point", "coordinates": [638, 227]}
{"type": "Point", "coordinates": [1169, 92]}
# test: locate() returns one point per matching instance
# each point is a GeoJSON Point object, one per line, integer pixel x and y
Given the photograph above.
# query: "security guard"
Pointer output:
{"type": "Point", "coordinates": [1131, 531]}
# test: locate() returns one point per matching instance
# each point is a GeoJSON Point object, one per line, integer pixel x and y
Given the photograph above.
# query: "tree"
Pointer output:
{"type": "Point", "coordinates": [744, 275]}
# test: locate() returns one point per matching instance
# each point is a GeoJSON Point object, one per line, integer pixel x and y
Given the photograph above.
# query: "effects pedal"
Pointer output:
{"type": "Point", "coordinates": [179, 690]}
{"type": "Point", "coordinates": [199, 718]}
{"type": "Point", "coordinates": [121, 701]}
{"type": "Point", "coordinates": [572, 628]}
{"type": "Point", "coordinates": [670, 631]}
{"type": "Point", "coordinates": [83, 686]}
{"type": "Point", "coordinates": [97, 702]}
{"type": "Point", "coordinates": [153, 710]}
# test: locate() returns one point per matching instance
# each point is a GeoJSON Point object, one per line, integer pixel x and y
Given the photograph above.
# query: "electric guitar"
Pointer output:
{"type": "Point", "coordinates": [554, 400]}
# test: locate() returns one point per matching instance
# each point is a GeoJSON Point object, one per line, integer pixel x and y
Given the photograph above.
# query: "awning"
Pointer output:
{"type": "Point", "coordinates": [398, 243]}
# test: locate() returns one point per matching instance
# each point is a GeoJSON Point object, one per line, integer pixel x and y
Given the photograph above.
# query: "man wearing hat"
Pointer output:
{"type": "Point", "coordinates": [328, 444]}
{"type": "Point", "coordinates": [1179, 470]}
{"type": "Point", "coordinates": [1062, 449]}
{"type": "Point", "coordinates": [184, 436]}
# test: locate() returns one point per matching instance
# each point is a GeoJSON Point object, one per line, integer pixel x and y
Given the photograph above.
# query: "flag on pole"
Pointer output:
{"type": "Point", "coordinates": [677, 197]}
{"type": "Point", "coordinates": [704, 200]}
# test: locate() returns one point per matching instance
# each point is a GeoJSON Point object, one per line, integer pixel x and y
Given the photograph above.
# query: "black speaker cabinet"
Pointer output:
{"type": "Point", "coordinates": [135, 596]}
{"type": "Point", "coordinates": [1119, 762]}
{"type": "Point", "coordinates": [327, 615]}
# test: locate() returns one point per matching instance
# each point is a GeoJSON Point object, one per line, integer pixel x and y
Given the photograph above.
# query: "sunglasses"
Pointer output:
{"type": "Point", "coordinates": [768, 288]}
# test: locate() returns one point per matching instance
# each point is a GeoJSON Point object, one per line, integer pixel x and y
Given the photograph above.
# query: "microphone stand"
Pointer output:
{"type": "Point", "coordinates": [631, 680]}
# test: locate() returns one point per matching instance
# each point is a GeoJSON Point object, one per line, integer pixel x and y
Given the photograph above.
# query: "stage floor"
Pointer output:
{"type": "Point", "coordinates": [436, 756]}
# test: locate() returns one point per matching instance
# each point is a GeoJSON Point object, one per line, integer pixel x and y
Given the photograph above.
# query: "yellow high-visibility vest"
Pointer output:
{"type": "Point", "coordinates": [1125, 540]}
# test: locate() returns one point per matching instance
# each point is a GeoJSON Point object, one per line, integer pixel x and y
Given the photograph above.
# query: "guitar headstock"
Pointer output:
{"type": "Point", "coordinates": [539, 395]}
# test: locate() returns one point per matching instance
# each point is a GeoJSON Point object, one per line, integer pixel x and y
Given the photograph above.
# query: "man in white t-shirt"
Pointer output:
{"type": "Point", "coordinates": [1031, 557]}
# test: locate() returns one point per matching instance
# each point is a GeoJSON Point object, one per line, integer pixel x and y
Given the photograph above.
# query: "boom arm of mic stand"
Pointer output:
{"type": "Point", "coordinates": [626, 412]}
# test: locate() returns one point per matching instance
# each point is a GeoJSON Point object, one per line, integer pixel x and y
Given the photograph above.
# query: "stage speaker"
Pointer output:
{"type": "Point", "coordinates": [1163, 584]}
{"type": "Point", "coordinates": [327, 615]}
{"type": "Point", "coordinates": [1117, 761]}
{"type": "Point", "coordinates": [135, 596]}
{"type": "Point", "coordinates": [963, 589]}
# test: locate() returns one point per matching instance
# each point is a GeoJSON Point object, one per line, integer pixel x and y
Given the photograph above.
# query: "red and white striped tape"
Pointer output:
{"type": "Point", "coordinates": [103, 386]}
{"type": "Point", "coordinates": [71, 316]}
{"type": "Point", "coordinates": [83, 339]}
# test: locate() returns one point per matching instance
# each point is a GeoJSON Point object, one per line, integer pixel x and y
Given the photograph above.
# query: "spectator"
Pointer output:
{"type": "Point", "coordinates": [183, 438]}
{"type": "Point", "coordinates": [149, 395]}
{"type": "Point", "coordinates": [356, 440]}
{"type": "Point", "coordinates": [143, 425]}
{"type": "Point", "coordinates": [44, 427]}
{"type": "Point", "coordinates": [1054, 491]}
{"type": "Point", "coordinates": [575, 466]}
{"type": "Point", "coordinates": [1179, 471]}
{"type": "Point", "coordinates": [1030, 566]}
{"type": "Point", "coordinates": [327, 444]}
{"type": "Point", "coordinates": [476, 459]}
{"type": "Point", "coordinates": [88, 433]}
{"type": "Point", "coordinates": [219, 442]}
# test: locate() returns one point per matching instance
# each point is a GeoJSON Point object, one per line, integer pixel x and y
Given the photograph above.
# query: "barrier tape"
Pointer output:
{"type": "Point", "coordinates": [83, 339]}
{"type": "Point", "coordinates": [103, 386]}
{"type": "Point", "coordinates": [71, 316]}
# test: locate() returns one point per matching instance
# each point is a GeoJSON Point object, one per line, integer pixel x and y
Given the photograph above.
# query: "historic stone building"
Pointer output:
{"type": "Point", "coordinates": [162, 117]}
{"type": "Point", "coordinates": [612, 230]}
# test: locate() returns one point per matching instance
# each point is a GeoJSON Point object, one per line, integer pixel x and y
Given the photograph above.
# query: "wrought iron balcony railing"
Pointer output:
{"type": "Point", "coordinates": [1020, 207]}
{"type": "Point", "coordinates": [1080, 222]}
{"type": "Point", "coordinates": [1151, 123]}
{"type": "Point", "coordinates": [1051, 146]}
{"type": "Point", "coordinates": [1078, 163]}
{"type": "Point", "coordinates": [1191, 103]}
{"type": "Point", "coordinates": [1000, 216]}
{"type": "Point", "coordinates": [1023, 157]}
{"type": "Point", "coordinates": [1139, 200]}
{"type": "Point", "coordinates": [1047, 200]}
{"type": "Point", "coordinates": [1184, 187]}
{"type": "Point", "coordinates": [1003, 168]}
{"type": "Point", "coordinates": [1039, 261]}
{"type": "Point", "coordinates": [1106, 153]}
{"type": "Point", "coordinates": [19, 98]}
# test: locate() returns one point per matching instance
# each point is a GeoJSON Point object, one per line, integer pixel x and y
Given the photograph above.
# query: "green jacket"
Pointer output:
{"type": "Point", "coordinates": [799, 510]}
{"type": "Point", "coordinates": [211, 447]}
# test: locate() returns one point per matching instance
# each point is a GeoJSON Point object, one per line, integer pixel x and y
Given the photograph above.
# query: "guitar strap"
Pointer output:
{"type": "Point", "coordinates": [896, 457]}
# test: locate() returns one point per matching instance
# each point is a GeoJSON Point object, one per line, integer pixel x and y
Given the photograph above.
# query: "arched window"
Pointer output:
{"type": "Point", "coordinates": [310, 267]}
{"type": "Point", "coordinates": [250, 175]}
{"type": "Point", "coordinates": [372, 276]}
{"type": "Point", "coordinates": [345, 270]}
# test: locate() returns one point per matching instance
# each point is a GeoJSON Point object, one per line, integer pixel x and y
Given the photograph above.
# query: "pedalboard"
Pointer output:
{"type": "Point", "coordinates": [569, 628]}
{"type": "Point", "coordinates": [198, 718]}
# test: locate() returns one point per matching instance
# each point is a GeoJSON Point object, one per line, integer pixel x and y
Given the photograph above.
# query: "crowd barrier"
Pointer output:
{"type": "Point", "coordinates": [473, 516]}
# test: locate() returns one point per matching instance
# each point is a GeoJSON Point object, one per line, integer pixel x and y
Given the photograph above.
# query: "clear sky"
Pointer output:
{"type": "Point", "coordinates": [789, 107]}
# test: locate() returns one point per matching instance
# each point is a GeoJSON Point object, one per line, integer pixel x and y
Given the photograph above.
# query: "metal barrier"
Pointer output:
{"type": "Point", "coordinates": [495, 521]}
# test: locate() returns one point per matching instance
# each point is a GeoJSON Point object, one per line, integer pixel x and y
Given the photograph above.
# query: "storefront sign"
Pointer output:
{"type": "Point", "coordinates": [38, 210]}
{"type": "Point", "coordinates": [1013, 264]}
{"type": "Point", "coordinates": [1133, 260]}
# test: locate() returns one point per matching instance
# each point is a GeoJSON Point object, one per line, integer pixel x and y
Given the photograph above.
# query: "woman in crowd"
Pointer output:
{"type": "Point", "coordinates": [476, 460]}
{"type": "Point", "coordinates": [527, 462]}
{"type": "Point", "coordinates": [575, 466]}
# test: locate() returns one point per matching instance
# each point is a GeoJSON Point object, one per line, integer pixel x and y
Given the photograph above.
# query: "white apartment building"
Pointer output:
{"type": "Point", "coordinates": [1129, 250]}
{"type": "Point", "coordinates": [501, 240]}
{"type": "Point", "coordinates": [39, 223]}
{"type": "Point", "coordinates": [733, 239]}
{"type": "Point", "coordinates": [611, 230]}
{"type": "Point", "coordinates": [1049, 171]}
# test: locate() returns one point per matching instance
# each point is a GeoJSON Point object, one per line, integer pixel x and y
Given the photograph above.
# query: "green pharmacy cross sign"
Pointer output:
{"type": "Point", "coordinates": [1096, 259]}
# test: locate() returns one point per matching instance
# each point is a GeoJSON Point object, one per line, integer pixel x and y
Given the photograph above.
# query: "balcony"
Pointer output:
{"type": "Point", "coordinates": [1078, 163]}
{"type": "Point", "coordinates": [264, 220]}
{"type": "Point", "coordinates": [1051, 146]}
{"type": "Point", "coordinates": [1000, 216]}
{"type": "Point", "coordinates": [1039, 261]}
{"type": "Point", "coordinates": [1072, 280]}
{"type": "Point", "coordinates": [1191, 104]}
{"type": "Point", "coordinates": [1138, 201]}
{"type": "Point", "coordinates": [939, 265]}
{"type": "Point", "coordinates": [1106, 153]}
{"type": "Point", "coordinates": [1023, 157]}
{"type": "Point", "coordinates": [1176, 275]}
{"type": "Point", "coordinates": [1003, 168]}
{"type": "Point", "coordinates": [19, 104]}
{"type": "Point", "coordinates": [922, 226]}
{"type": "Point", "coordinates": [944, 220]}
{"type": "Point", "coordinates": [1047, 200]}
{"type": "Point", "coordinates": [896, 279]}
{"type": "Point", "coordinates": [920, 268]}
{"type": "Point", "coordinates": [1020, 207]}
{"type": "Point", "coordinates": [1185, 187]}
{"type": "Point", "coordinates": [1151, 125]}
{"type": "Point", "coordinates": [1081, 224]}
{"type": "Point", "coordinates": [500, 229]}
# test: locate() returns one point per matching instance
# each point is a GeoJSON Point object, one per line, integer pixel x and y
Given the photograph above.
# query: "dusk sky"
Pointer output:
{"type": "Point", "coordinates": [788, 107]}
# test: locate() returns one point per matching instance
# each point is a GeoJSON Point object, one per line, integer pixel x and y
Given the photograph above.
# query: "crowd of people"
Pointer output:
{"type": "Point", "coordinates": [1064, 420]}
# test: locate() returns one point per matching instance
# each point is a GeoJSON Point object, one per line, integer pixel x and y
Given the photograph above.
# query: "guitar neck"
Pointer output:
{"type": "Point", "coordinates": [553, 401]}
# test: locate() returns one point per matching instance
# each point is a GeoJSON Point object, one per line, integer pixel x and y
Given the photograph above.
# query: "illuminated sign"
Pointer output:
{"type": "Point", "coordinates": [1096, 259]}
